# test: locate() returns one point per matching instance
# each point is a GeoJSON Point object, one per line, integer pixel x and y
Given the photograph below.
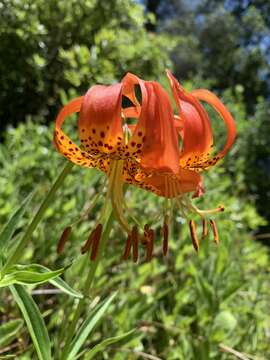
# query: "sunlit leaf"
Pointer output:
{"type": "Point", "coordinates": [58, 282]}
{"type": "Point", "coordinates": [34, 321]}
{"type": "Point", "coordinates": [22, 275]}
{"type": "Point", "coordinates": [105, 343]}
{"type": "Point", "coordinates": [87, 327]}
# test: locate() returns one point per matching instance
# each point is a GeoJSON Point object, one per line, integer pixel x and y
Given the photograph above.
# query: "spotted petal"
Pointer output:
{"type": "Point", "coordinates": [211, 99]}
{"type": "Point", "coordinates": [196, 132]}
{"type": "Point", "coordinates": [67, 147]}
{"type": "Point", "coordinates": [100, 122]}
{"type": "Point", "coordinates": [155, 127]}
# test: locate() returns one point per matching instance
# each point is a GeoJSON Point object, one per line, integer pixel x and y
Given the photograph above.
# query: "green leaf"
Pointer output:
{"type": "Point", "coordinates": [105, 343]}
{"type": "Point", "coordinates": [34, 321]}
{"type": "Point", "coordinates": [87, 326]}
{"type": "Point", "coordinates": [9, 331]}
{"type": "Point", "coordinates": [10, 227]}
{"type": "Point", "coordinates": [20, 274]}
{"type": "Point", "coordinates": [57, 281]}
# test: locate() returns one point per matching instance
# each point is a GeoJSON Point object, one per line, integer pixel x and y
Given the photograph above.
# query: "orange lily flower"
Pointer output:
{"type": "Point", "coordinates": [147, 154]}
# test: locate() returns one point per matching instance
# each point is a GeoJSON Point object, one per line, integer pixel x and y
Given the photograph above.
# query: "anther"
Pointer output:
{"type": "Point", "coordinates": [132, 242]}
{"type": "Point", "coordinates": [193, 234]}
{"type": "Point", "coordinates": [165, 233]}
{"type": "Point", "coordinates": [96, 241]}
{"type": "Point", "coordinates": [63, 239]}
{"type": "Point", "coordinates": [135, 243]}
{"type": "Point", "coordinates": [86, 246]}
{"type": "Point", "coordinates": [144, 239]}
{"type": "Point", "coordinates": [215, 231]}
{"type": "Point", "coordinates": [148, 241]}
{"type": "Point", "coordinates": [150, 245]}
{"type": "Point", "coordinates": [204, 228]}
{"type": "Point", "coordinates": [128, 247]}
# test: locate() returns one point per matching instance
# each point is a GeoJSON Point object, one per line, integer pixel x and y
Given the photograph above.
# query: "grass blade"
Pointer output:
{"type": "Point", "coordinates": [34, 321]}
{"type": "Point", "coordinates": [87, 326]}
{"type": "Point", "coordinates": [105, 343]}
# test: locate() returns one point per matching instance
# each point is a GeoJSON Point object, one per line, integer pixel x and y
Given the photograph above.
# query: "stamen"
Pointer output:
{"type": "Point", "coordinates": [150, 245]}
{"type": "Point", "coordinates": [210, 211]}
{"type": "Point", "coordinates": [135, 243]}
{"type": "Point", "coordinates": [127, 248]}
{"type": "Point", "coordinates": [63, 239]}
{"type": "Point", "coordinates": [193, 233]}
{"type": "Point", "coordinates": [144, 240]}
{"type": "Point", "coordinates": [96, 241]}
{"type": "Point", "coordinates": [88, 242]}
{"type": "Point", "coordinates": [115, 191]}
{"type": "Point", "coordinates": [165, 233]}
{"type": "Point", "coordinates": [132, 241]}
{"type": "Point", "coordinates": [204, 228]}
{"type": "Point", "coordinates": [215, 231]}
{"type": "Point", "coordinates": [148, 241]}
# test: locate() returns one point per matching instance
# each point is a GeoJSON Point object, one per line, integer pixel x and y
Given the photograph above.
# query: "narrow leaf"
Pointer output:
{"type": "Point", "coordinates": [62, 285]}
{"type": "Point", "coordinates": [25, 277]}
{"type": "Point", "coordinates": [9, 331]}
{"type": "Point", "coordinates": [87, 326]}
{"type": "Point", "coordinates": [55, 281]}
{"type": "Point", "coordinates": [34, 321]}
{"type": "Point", "coordinates": [105, 343]}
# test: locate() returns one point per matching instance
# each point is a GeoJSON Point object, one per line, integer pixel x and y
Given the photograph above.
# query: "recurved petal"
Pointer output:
{"type": "Point", "coordinates": [100, 122]}
{"type": "Point", "coordinates": [196, 131]}
{"type": "Point", "coordinates": [63, 143]}
{"type": "Point", "coordinates": [212, 99]}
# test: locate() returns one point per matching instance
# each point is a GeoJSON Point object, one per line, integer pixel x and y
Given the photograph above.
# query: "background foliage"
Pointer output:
{"type": "Point", "coordinates": [186, 305]}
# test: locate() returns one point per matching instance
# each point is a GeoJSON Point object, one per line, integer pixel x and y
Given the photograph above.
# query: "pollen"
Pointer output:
{"type": "Point", "coordinates": [165, 233]}
{"type": "Point", "coordinates": [63, 239]}
{"type": "Point", "coordinates": [204, 228]}
{"type": "Point", "coordinates": [148, 242]}
{"type": "Point", "coordinates": [214, 230]}
{"type": "Point", "coordinates": [193, 234]}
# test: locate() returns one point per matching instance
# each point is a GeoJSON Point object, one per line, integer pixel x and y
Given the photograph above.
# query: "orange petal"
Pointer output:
{"type": "Point", "coordinates": [63, 143]}
{"type": "Point", "coordinates": [100, 122]}
{"type": "Point", "coordinates": [160, 151]}
{"type": "Point", "coordinates": [154, 137]}
{"type": "Point", "coordinates": [196, 132]}
{"type": "Point", "coordinates": [129, 81]}
{"type": "Point", "coordinates": [211, 99]}
{"type": "Point", "coordinates": [171, 186]}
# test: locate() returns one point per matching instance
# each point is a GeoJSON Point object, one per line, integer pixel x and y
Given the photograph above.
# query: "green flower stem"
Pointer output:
{"type": "Point", "coordinates": [87, 286]}
{"type": "Point", "coordinates": [15, 256]}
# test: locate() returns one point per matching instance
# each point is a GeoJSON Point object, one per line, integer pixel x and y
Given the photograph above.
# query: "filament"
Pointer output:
{"type": "Point", "coordinates": [115, 192]}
